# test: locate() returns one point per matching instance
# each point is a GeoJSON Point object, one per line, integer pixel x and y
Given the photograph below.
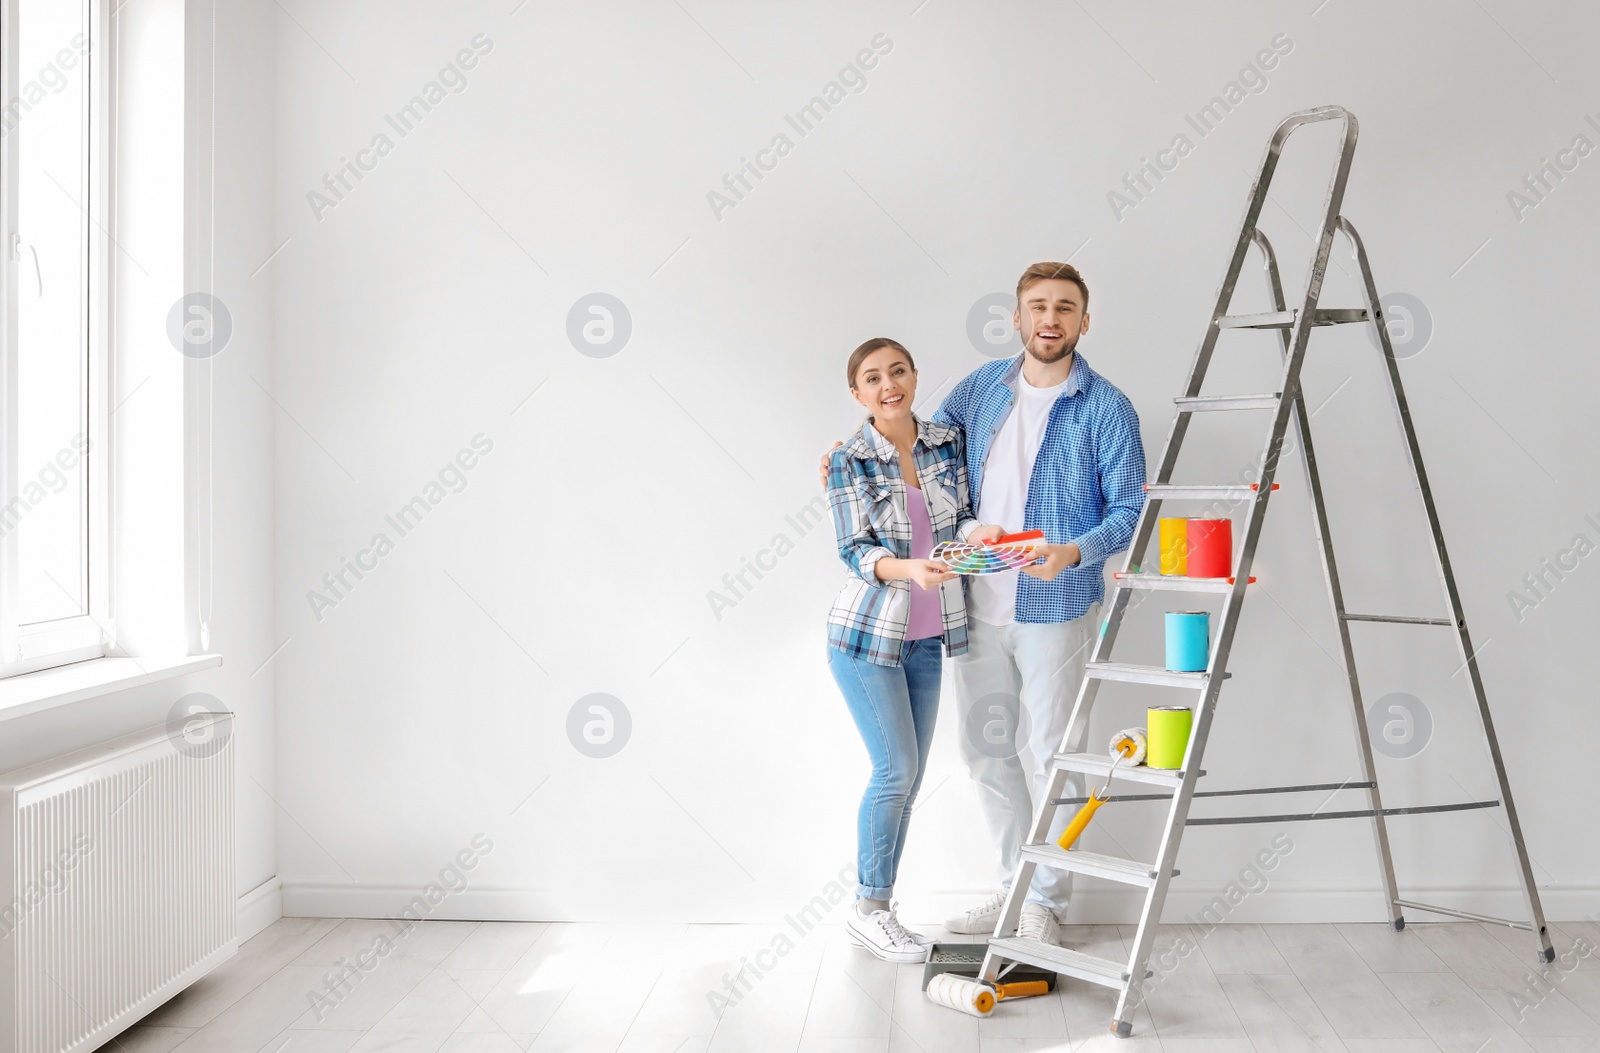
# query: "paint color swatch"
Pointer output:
{"type": "Point", "coordinates": [985, 559]}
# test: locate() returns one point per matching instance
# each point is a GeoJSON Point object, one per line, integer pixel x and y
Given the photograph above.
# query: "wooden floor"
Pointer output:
{"type": "Point", "coordinates": [458, 987]}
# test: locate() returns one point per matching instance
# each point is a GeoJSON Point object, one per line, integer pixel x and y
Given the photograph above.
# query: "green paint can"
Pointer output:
{"type": "Point", "coordinates": [1167, 732]}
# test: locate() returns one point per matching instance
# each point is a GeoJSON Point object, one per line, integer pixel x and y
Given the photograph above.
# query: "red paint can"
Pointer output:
{"type": "Point", "coordinates": [1210, 548]}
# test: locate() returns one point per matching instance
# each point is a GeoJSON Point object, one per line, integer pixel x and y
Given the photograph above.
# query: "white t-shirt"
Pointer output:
{"type": "Point", "coordinates": [1007, 470]}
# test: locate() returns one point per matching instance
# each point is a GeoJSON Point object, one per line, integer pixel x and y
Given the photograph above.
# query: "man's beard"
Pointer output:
{"type": "Point", "coordinates": [1066, 349]}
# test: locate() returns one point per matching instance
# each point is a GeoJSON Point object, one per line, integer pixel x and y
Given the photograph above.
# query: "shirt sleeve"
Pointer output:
{"type": "Point", "coordinates": [966, 517]}
{"type": "Point", "coordinates": [859, 547]}
{"type": "Point", "coordinates": [1122, 478]}
{"type": "Point", "coordinates": [955, 410]}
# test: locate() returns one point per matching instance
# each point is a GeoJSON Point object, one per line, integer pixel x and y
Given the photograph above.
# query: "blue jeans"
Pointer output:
{"type": "Point", "coordinates": [894, 707]}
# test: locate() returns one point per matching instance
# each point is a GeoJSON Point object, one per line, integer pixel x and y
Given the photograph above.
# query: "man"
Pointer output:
{"type": "Point", "coordinates": [1051, 446]}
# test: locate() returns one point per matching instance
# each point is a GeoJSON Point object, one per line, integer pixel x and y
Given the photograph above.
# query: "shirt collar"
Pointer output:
{"type": "Point", "coordinates": [929, 433]}
{"type": "Point", "coordinates": [1077, 376]}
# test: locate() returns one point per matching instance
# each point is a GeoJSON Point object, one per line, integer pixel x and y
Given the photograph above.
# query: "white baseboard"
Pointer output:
{"type": "Point", "coordinates": [260, 907]}
{"type": "Point", "coordinates": [1277, 904]}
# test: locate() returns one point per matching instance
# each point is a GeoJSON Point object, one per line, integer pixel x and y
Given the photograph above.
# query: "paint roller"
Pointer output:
{"type": "Point", "coordinates": [1140, 745]}
{"type": "Point", "coordinates": [1128, 745]}
{"type": "Point", "coordinates": [976, 998]}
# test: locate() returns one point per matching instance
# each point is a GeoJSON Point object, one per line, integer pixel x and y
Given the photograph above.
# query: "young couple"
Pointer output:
{"type": "Point", "coordinates": [1047, 444]}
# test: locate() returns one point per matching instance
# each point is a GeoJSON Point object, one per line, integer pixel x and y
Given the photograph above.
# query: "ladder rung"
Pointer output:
{"type": "Point", "coordinates": [1147, 674]}
{"type": "Point", "coordinates": [1285, 319]}
{"type": "Point", "coordinates": [1176, 582]}
{"type": "Point", "coordinates": [1398, 619]}
{"type": "Point", "coordinates": [1303, 788]}
{"type": "Point", "coordinates": [1361, 813]}
{"type": "Point", "coordinates": [1452, 912]}
{"type": "Point", "coordinates": [1225, 492]}
{"type": "Point", "coordinates": [1200, 403]}
{"type": "Point", "coordinates": [1100, 764]}
{"type": "Point", "coordinates": [1112, 868]}
{"type": "Point", "coordinates": [1063, 960]}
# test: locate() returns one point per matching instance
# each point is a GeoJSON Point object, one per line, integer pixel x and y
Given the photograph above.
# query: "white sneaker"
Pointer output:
{"type": "Point", "coordinates": [980, 920]}
{"type": "Point", "coordinates": [1038, 923]}
{"type": "Point", "coordinates": [914, 936]}
{"type": "Point", "coordinates": [883, 937]}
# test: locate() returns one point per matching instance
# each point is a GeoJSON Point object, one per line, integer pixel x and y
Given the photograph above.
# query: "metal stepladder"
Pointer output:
{"type": "Point", "coordinates": [1295, 327]}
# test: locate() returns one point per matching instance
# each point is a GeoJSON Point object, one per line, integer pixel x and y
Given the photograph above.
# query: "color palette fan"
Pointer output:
{"type": "Point", "coordinates": [1007, 552]}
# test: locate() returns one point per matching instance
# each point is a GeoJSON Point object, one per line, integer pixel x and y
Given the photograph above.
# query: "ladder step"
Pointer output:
{"type": "Point", "coordinates": [1285, 319]}
{"type": "Point", "coordinates": [1147, 674]}
{"type": "Point", "coordinates": [1063, 960]}
{"type": "Point", "coordinates": [1112, 868]}
{"type": "Point", "coordinates": [1175, 582]}
{"type": "Point", "coordinates": [1200, 403]}
{"type": "Point", "coordinates": [1100, 763]}
{"type": "Point", "coordinates": [1225, 492]}
{"type": "Point", "coordinates": [1398, 619]}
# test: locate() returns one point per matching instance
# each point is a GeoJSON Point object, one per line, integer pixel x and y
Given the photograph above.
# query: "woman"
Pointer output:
{"type": "Point", "coordinates": [897, 488]}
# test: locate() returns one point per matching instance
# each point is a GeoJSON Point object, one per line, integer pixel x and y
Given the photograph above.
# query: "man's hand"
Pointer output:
{"type": "Point", "coordinates": [982, 535]}
{"type": "Point", "coordinates": [1057, 559]}
{"type": "Point", "coordinates": [822, 465]}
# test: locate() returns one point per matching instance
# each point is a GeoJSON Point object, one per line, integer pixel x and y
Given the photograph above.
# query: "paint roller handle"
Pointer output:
{"type": "Point", "coordinates": [1021, 989]}
{"type": "Point", "coordinates": [1079, 821]}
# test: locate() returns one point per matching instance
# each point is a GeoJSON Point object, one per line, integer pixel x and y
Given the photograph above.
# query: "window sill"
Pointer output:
{"type": "Point", "coordinates": [63, 685]}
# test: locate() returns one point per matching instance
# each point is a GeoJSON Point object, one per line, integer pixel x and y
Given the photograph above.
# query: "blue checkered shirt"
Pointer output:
{"type": "Point", "coordinates": [868, 499]}
{"type": "Point", "coordinates": [1088, 480]}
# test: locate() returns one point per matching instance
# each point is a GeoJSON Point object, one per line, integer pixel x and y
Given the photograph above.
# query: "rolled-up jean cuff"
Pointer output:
{"type": "Point", "coordinates": [864, 892]}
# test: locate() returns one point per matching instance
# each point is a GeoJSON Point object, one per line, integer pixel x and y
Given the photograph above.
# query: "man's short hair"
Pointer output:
{"type": "Point", "coordinates": [1040, 272]}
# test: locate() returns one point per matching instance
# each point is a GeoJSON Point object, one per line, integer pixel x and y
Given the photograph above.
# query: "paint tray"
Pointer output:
{"type": "Point", "coordinates": [966, 959]}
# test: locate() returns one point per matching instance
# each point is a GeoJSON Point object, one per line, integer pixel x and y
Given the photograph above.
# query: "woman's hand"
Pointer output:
{"type": "Point", "coordinates": [928, 573]}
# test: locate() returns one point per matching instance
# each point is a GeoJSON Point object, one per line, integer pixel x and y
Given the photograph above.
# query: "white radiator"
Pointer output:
{"type": "Point", "coordinates": [116, 883]}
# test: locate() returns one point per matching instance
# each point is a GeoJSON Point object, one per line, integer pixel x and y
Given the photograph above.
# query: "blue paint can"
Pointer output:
{"type": "Point", "coordinates": [1188, 641]}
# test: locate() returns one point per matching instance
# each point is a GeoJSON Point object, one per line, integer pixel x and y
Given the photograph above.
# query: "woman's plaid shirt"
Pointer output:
{"type": "Point", "coordinates": [868, 499]}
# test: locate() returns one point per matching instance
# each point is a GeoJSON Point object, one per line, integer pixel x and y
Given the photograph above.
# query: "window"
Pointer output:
{"type": "Point", "coordinates": [54, 483]}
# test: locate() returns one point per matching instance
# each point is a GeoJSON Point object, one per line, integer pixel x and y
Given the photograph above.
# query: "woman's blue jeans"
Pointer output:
{"type": "Point", "coordinates": [894, 707]}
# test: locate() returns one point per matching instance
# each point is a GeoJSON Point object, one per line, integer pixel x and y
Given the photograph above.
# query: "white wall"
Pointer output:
{"type": "Point", "coordinates": [429, 305]}
{"type": "Point", "coordinates": [243, 629]}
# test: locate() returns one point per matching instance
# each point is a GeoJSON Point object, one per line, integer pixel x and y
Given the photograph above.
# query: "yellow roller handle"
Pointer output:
{"type": "Point", "coordinates": [1079, 821]}
{"type": "Point", "coordinates": [1021, 989]}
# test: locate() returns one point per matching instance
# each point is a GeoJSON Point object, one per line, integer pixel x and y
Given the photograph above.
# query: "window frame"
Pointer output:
{"type": "Point", "coordinates": [30, 647]}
